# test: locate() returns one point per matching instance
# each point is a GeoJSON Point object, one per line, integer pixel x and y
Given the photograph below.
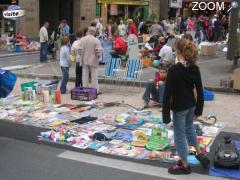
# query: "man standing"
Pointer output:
{"type": "Point", "coordinates": [43, 34]}
{"type": "Point", "coordinates": [65, 29]}
{"type": "Point", "coordinates": [156, 29]}
{"type": "Point", "coordinates": [91, 50]}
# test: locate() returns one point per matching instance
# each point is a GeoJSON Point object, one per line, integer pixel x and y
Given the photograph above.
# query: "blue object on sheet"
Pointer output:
{"type": "Point", "coordinates": [208, 95]}
{"type": "Point", "coordinates": [7, 82]}
{"type": "Point", "coordinates": [192, 160]}
{"type": "Point", "coordinates": [224, 172]}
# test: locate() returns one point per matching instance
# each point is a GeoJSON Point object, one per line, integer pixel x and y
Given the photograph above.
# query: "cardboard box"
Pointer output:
{"type": "Point", "coordinates": [236, 76]}
{"type": "Point", "coordinates": [208, 49]}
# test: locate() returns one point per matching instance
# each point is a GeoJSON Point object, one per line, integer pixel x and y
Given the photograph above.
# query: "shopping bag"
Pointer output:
{"type": "Point", "coordinates": [7, 82]}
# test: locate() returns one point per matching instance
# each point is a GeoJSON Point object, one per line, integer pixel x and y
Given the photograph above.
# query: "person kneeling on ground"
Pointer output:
{"type": "Point", "coordinates": [155, 88]}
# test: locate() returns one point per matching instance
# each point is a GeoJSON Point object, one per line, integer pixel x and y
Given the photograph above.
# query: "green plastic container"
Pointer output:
{"type": "Point", "coordinates": [28, 84]}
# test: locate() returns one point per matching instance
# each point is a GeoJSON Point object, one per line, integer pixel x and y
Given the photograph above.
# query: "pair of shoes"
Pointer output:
{"type": "Point", "coordinates": [146, 105]}
{"type": "Point", "coordinates": [203, 159]}
{"type": "Point", "coordinates": [179, 169]}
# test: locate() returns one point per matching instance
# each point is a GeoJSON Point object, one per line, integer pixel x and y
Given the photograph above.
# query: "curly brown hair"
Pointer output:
{"type": "Point", "coordinates": [188, 50]}
{"type": "Point", "coordinates": [65, 40]}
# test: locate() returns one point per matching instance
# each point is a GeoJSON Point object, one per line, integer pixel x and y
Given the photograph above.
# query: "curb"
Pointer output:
{"type": "Point", "coordinates": [18, 54]}
{"type": "Point", "coordinates": [120, 82]}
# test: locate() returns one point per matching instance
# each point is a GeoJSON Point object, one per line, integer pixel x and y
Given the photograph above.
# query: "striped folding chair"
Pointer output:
{"type": "Point", "coordinates": [133, 72]}
{"type": "Point", "coordinates": [110, 69]}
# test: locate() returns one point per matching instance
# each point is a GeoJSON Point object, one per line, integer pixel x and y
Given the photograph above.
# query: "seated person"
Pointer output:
{"type": "Point", "coordinates": [156, 87]}
{"type": "Point", "coordinates": [152, 46]}
{"type": "Point", "coordinates": [165, 53]}
{"type": "Point", "coordinates": [119, 47]}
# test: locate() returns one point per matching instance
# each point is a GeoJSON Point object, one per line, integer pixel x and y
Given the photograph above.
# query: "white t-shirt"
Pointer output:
{"type": "Point", "coordinates": [99, 28]}
{"type": "Point", "coordinates": [43, 34]}
{"type": "Point", "coordinates": [122, 29]}
{"type": "Point", "coordinates": [166, 53]}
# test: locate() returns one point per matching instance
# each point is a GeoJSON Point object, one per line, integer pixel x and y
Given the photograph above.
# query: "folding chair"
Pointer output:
{"type": "Point", "coordinates": [110, 69]}
{"type": "Point", "coordinates": [133, 72]}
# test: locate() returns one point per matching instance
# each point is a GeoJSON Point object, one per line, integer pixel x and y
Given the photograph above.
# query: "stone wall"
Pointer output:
{"type": "Point", "coordinates": [84, 13]}
{"type": "Point", "coordinates": [29, 24]}
{"type": "Point", "coordinates": [164, 7]}
{"type": "Point", "coordinates": [154, 8]}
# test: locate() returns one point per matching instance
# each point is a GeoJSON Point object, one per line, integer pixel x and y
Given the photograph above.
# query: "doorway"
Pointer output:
{"type": "Point", "coordinates": [55, 11]}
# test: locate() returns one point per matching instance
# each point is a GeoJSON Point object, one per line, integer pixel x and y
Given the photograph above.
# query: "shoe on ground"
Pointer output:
{"type": "Point", "coordinates": [179, 169]}
{"type": "Point", "coordinates": [146, 105]}
{"type": "Point", "coordinates": [203, 159]}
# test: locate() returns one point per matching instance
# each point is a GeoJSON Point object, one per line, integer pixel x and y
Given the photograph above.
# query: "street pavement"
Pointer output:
{"type": "Point", "coordinates": [31, 59]}
{"type": "Point", "coordinates": [27, 161]}
{"type": "Point", "coordinates": [213, 68]}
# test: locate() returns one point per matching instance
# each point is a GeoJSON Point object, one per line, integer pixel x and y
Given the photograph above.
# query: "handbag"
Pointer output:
{"type": "Point", "coordinates": [7, 82]}
{"type": "Point", "coordinates": [227, 155]}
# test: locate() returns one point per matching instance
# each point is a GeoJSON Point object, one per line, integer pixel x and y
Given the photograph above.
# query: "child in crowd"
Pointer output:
{"type": "Point", "coordinates": [156, 87]}
{"type": "Point", "coordinates": [64, 63]}
{"type": "Point", "coordinates": [182, 79]}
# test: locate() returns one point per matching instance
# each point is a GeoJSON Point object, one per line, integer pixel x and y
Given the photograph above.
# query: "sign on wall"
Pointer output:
{"type": "Point", "coordinates": [175, 3]}
{"type": "Point", "coordinates": [114, 10]}
{"type": "Point", "coordinates": [13, 12]}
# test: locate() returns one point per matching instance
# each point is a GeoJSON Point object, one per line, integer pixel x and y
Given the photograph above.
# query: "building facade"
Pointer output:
{"type": "Point", "coordinates": [79, 13]}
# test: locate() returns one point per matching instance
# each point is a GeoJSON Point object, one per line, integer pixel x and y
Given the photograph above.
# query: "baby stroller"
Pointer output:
{"type": "Point", "coordinates": [51, 49]}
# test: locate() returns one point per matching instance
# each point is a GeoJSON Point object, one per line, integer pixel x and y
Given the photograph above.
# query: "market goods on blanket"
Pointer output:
{"type": "Point", "coordinates": [140, 139]}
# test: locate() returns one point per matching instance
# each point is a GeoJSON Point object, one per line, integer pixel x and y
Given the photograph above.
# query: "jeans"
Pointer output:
{"type": "Point", "coordinates": [184, 130]}
{"type": "Point", "coordinates": [157, 94]}
{"type": "Point", "coordinates": [43, 52]}
{"type": "Point", "coordinates": [65, 75]}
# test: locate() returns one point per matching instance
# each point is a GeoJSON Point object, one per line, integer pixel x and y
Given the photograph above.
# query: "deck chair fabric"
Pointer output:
{"type": "Point", "coordinates": [112, 64]}
{"type": "Point", "coordinates": [133, 70]}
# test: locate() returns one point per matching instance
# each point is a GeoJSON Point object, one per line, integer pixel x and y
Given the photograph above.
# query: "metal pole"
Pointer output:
{"type": "Point", "coordinates": [232, 40]}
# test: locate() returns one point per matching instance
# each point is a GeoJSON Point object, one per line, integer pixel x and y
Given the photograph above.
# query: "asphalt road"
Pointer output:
{"type": "Point", "coordinates": [26, 161]}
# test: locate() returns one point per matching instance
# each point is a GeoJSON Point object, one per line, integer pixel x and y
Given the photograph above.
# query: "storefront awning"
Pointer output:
{"type": "Point", "coordinates": [125, 2]}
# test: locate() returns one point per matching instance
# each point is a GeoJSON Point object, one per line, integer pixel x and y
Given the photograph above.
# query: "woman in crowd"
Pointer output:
{"type": "Point", "coordinates": [122, 29]}
{"type": "Point", "coordinates": [179, 97]}
{"type": "Point", "coordinates": [65, 63]}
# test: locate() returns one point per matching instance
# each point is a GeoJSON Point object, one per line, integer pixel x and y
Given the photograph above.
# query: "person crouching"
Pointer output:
{"type": "Point", "coordinates": [64, 63]}
{"type": "Point", "coordinates": [155, 88]}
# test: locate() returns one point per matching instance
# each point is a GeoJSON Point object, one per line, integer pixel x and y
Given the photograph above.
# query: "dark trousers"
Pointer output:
{"type": "Point", "coordinates": [65, 75]}
{"type": "Point", "coordinates": [78, 81]}
{"type": "Point", "coordinates": [43, 52]}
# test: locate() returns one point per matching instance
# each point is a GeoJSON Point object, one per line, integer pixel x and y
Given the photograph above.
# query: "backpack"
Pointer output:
{"type": "Point", "coordinates": [227, 155]}
{"type": "Point", "coordinates": [7, 82]}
